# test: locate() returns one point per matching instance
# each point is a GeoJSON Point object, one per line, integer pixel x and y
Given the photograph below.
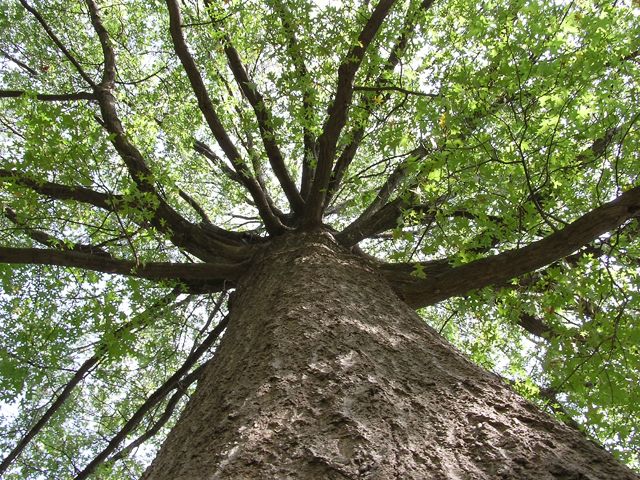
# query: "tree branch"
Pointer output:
{"type": "Point", "coordinates": [204, 150]}
{"type": "Point", "coordinates": [349, 152]}
{"type": "Point", "coordinates": [184, 272]}
{"type": "Point", "coordinates": [59, 191]}
{"type": "Point", "coordinates": [51, 241]}
{"type": "Point", "coordinates": [181, 391]}
{"type": "Point", "coordinates": [391, 88]}
{"type": "Point", "coordinates": [77, 377]}
{"type": "Point", "coordinates": [165, 218]}
{"type": "Point", "coordinates": [272, 223]}
{"type": "Point", "coordinates": [363, 225]}
{"type": "Point", "coordinates": [58, 43]}
{"type": "Point", "coordinates": [513, 263]}
{"type": "Point", "coordinates": [182, 387]}
{"type": "Point", "coordinates": [535, 326]}
{"type": "Point", "coordinates": [308, 139]}
{"type": "Point", "coordinates": [229, 244]}
{"type": "Point", "coordinates": [84, 369]}
{"type": "Point", "coordinates": [195, 205]}
{"type": "Point", "coordinates": [49, 97]}
{"type": "Point", "coordinates": [22, 65]}
{"type": "Point", "coordinates": [338, 111]}
{"type": "Point", "coordinates": [153, 399]}
{"type": "Point", "coordinates": [265, 125]}
{"type": "Point", "coordinates": [385, 218]}
{"type": "Point", "coordinates": [374, 221]}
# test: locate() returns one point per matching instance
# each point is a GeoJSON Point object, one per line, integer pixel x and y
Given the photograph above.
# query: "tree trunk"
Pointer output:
{"type": "Point", "coordinates": [325, 374]}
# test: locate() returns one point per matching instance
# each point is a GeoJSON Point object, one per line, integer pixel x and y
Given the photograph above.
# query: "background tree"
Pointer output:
{"type": "Point", "coordinates": [483, 156]}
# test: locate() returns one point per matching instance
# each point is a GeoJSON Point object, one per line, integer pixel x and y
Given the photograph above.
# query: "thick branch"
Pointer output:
{"type": "Point", "coordinates": [272, 223]}
{"type": "Point", "coordinates": [377, 219]}
{"type": "Point", "coordinates": [181, 391]}
{"type": "Point", "coordinates": [265, 124]}
{"type": "Point", "coordinates": [338, 111]}
{"type": "Point", "coordinates": [383, 219]}
{"type": "Point", "coordinates": [349, 152]}
{"type": "Point", "coordinates": [513, 263]}
{"type": "Point", "coordinates": [58, 191]}
{"type": "Point", "coordinates": [199, 89]}
{"type": "Point", "coordinates": [53, 408]}
{"type": "Point", "coordinates": [165, 218]}
{"type": "Point", "coordinates": [535, 326]}
{"type": "Point", "coordinates": [182, 387]}
{"type": "Point", "coordinates": [550, 395]}
{"type": "Point", "coordinates": [195, 205]}
{"type": "Point", "coordinates": [204, 150]}
{"type": "Point", "coordinates": [302, 72]}
{"type": "Point", "coordinates": [231, 248]}
{"type": "Point", "coordinates": [186, 272]}
{"type": "Point", "coordinates": [109, 202]}
{"type": "Point", "coordinates": [366, 222]}
{"type": "Point", "coordinates": [49, 97]}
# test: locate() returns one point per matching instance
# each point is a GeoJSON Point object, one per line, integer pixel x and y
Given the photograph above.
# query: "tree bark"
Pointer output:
{"type": "Point", "coordinates": [324, 373]}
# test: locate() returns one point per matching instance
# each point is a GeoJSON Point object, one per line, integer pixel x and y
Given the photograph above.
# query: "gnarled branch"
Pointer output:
{"type": "Point", "coordinates": [165, 218]}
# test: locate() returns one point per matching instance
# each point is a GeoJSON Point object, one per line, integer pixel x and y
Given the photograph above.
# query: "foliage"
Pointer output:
{"type": "Point", "coordinates": [493, 124]}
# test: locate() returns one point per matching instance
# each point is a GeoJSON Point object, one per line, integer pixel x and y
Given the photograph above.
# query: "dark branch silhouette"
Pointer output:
{"type": "Point", "coordinates": [49, 97]}
{"type": "Point", "coordinates": [308, 138]}
{"type": "Point", "coordinates": [357, 135]}
{"type": "Point", "coordinates": [54, 38]}
{"type": "Point", "coordinates": [49, 240]}
{"type": "Point", "coordinates": [265, 124]}
{"type": "Point", "coordinates": [159, 271]}
{"type": "Point", "coordinates": [165, 218]}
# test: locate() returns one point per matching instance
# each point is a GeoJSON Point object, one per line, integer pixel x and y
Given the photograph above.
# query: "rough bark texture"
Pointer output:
{"type": "Point", "coordinates": [325, 374]}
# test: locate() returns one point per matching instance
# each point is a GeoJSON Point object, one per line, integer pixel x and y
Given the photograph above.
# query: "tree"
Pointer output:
{"type": "Point", "coordinates": [333, 166]}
